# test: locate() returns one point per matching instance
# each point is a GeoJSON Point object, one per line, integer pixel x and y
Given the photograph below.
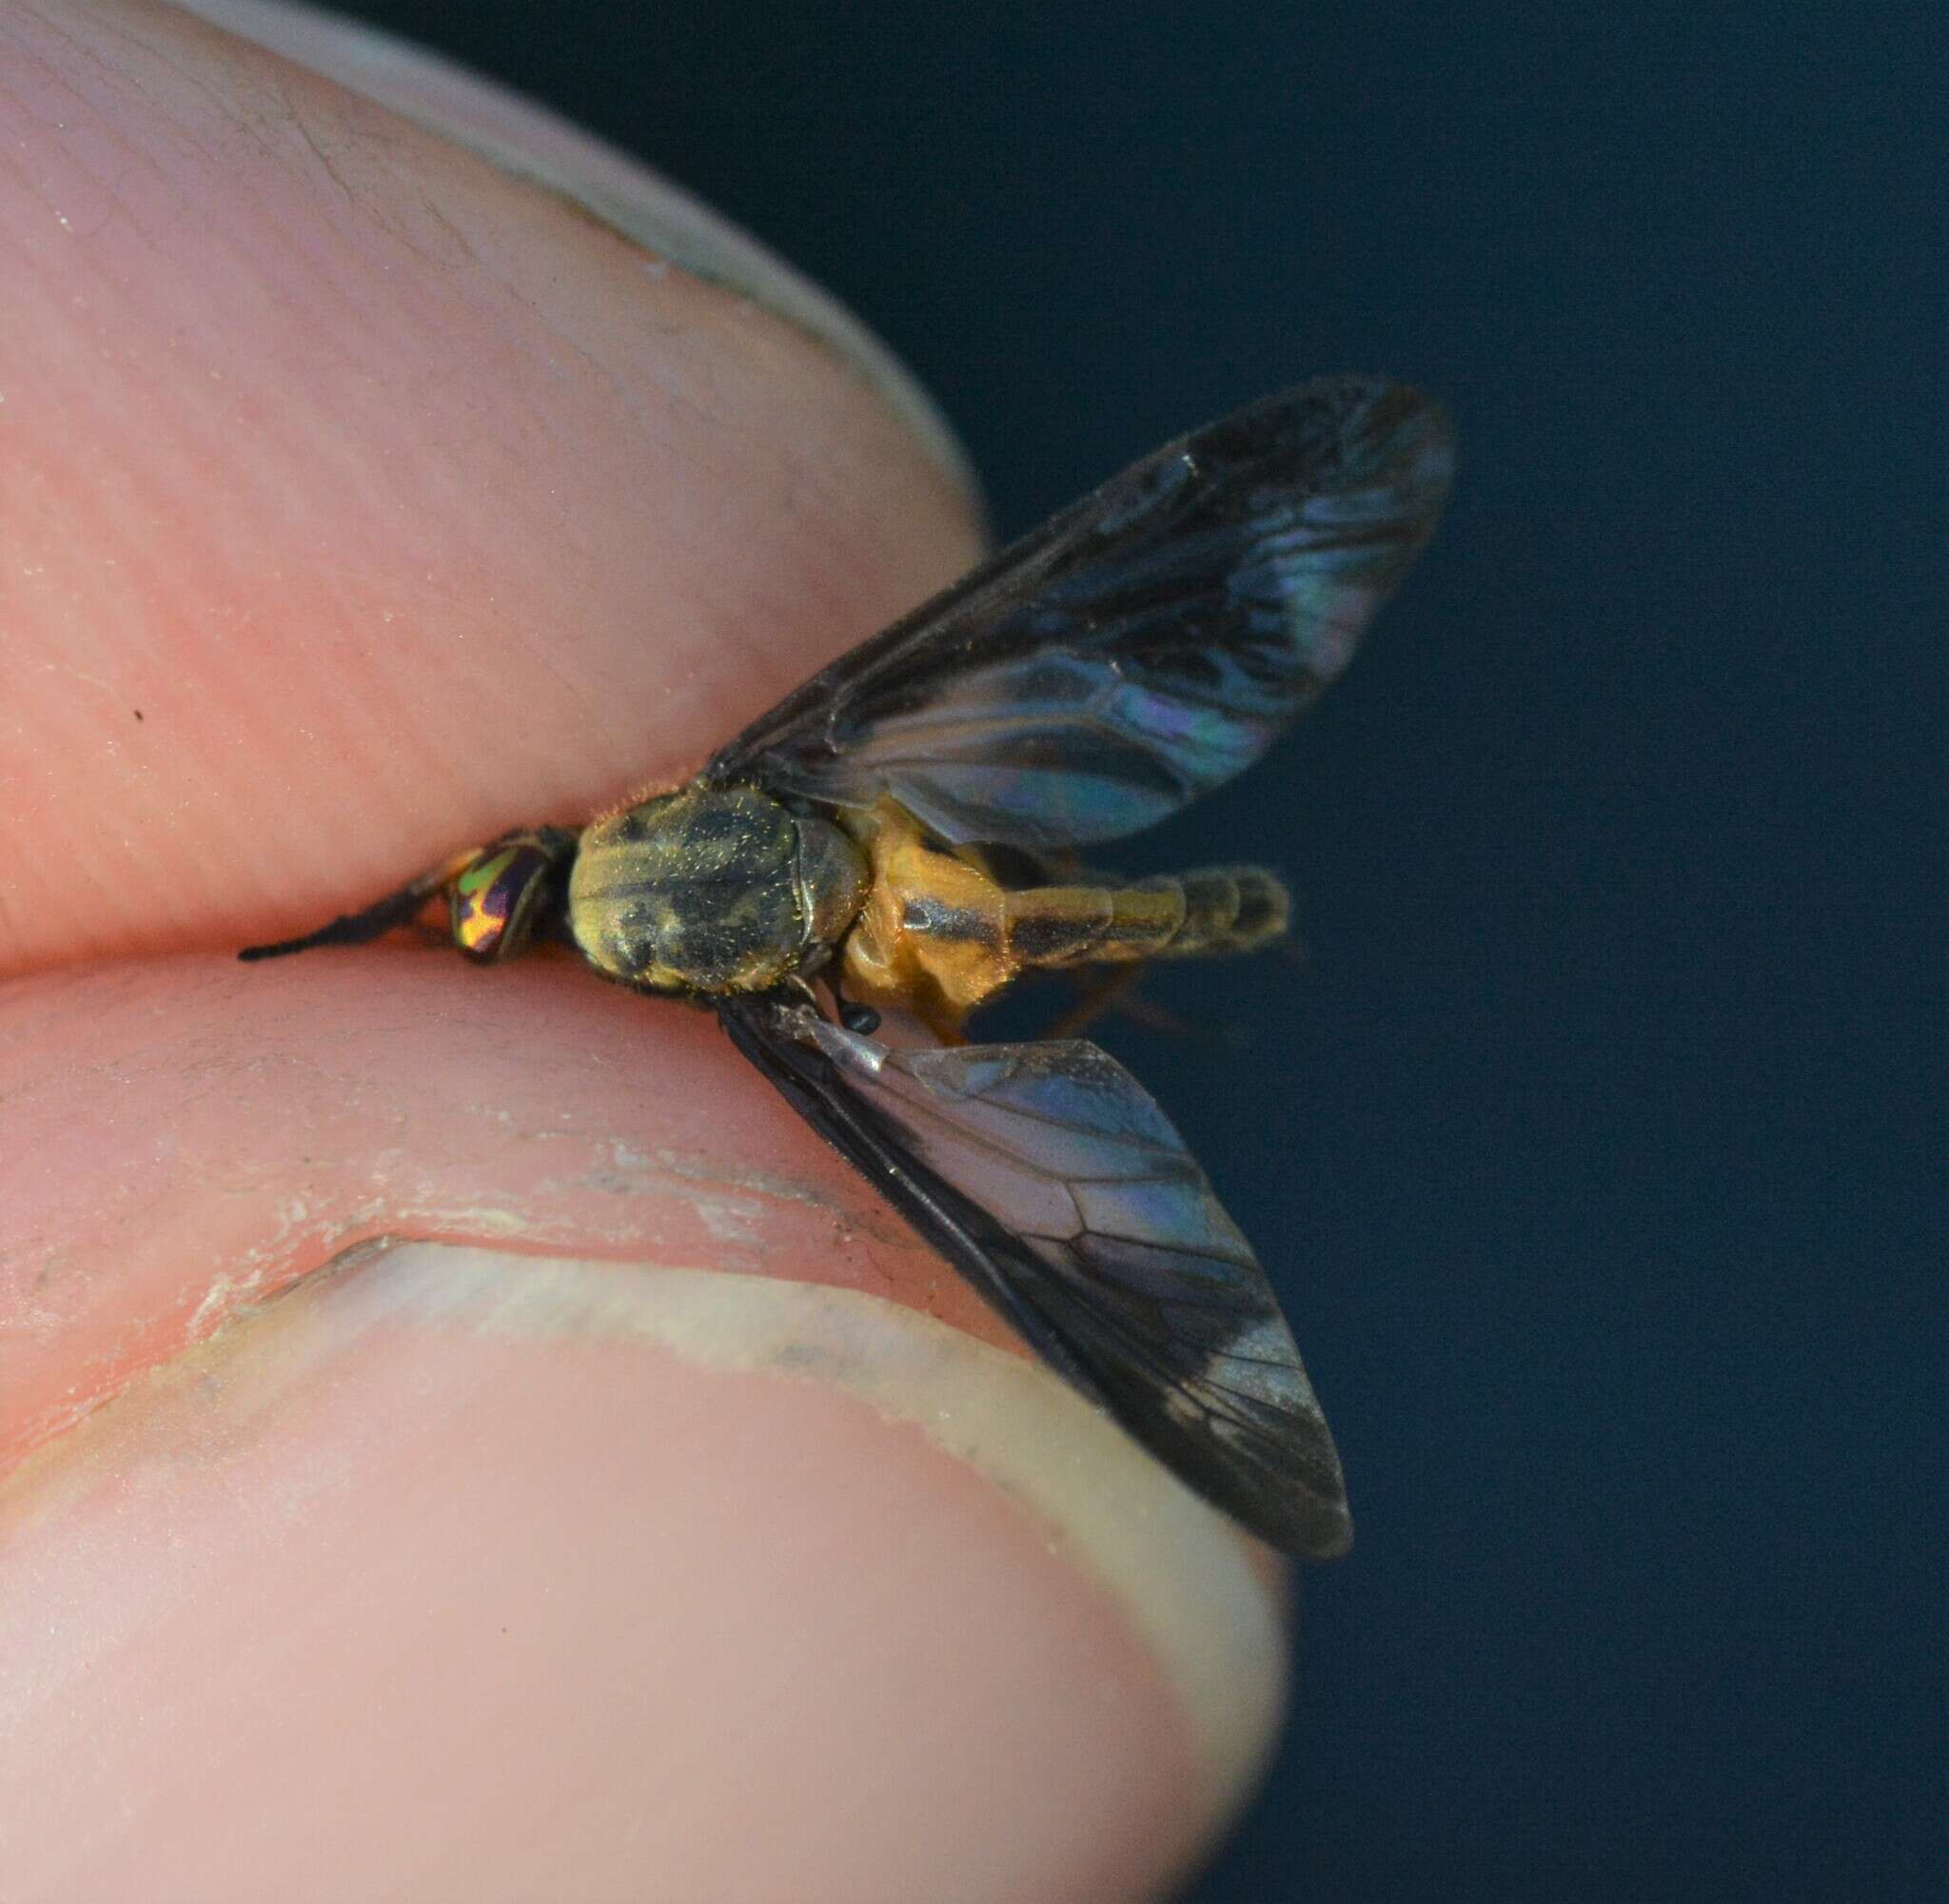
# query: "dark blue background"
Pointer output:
{"type": "Point", "coordinates": [1592, 1149]}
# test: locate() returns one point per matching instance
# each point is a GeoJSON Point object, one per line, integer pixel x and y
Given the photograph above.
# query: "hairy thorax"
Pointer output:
{"type": "Point", "coordinates": [712, 890]}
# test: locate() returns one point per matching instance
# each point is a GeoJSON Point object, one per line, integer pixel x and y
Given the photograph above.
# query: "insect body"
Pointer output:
{"type": "Point", "coordinates": [901, 831]}
{"type": "Point", "coordinates": [712, 890]}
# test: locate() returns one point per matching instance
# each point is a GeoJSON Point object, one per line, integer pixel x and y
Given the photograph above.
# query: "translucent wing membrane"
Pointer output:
{"type": "Point", "coordinates": [1141, 648]}
{"type": "Point", "coordinates": [1046, 1175]}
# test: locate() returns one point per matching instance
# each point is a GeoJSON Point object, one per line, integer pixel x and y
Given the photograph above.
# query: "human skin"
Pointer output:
{"type": "Point", "coordinates": [459, 1435]}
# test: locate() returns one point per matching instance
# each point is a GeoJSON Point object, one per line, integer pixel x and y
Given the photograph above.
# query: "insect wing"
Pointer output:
{"type": "Point", "coordinates": [1052, 1180]}
{"type": "Point", "coordinates": [1142, 647]}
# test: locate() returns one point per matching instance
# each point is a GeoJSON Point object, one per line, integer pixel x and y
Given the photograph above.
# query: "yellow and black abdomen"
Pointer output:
{"type": "Point", "coordinates": [711, 890]}
{"type": "Point", "coordinates": [940, 934]}
{"type": "Point", "coordinates": [1213, 911]}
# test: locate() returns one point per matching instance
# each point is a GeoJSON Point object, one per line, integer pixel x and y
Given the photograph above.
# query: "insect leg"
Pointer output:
{"type": "Point", "coordinates": [1098, 994]}
{"type": "Point", "coordinates": [1112, 991]}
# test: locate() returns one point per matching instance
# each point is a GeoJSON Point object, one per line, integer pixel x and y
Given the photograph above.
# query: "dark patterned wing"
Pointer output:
{"type": "Point", "coordinates": [1141, 648]}
{"type": "Point", "coordinates": [1053, 1183]}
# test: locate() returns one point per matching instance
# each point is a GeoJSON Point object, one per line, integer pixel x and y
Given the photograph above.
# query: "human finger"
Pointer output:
{"type": "Point", "coordinates": [362, 499]}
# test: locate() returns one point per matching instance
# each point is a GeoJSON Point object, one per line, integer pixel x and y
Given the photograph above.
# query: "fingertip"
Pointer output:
{"type": "Point", "coordinates": [403, 502]}
{"type": "Point", "coordinates": [550, 1574]}
{"type": "Point", "coordinates": [528, 142]}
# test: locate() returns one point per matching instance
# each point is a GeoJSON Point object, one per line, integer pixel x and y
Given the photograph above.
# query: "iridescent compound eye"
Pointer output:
{"type": "Point", "coordinates": [492, 903]}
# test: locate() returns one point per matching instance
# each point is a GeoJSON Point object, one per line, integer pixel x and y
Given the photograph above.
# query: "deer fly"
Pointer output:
{"type": "Point", "coordinates": [902, 832]}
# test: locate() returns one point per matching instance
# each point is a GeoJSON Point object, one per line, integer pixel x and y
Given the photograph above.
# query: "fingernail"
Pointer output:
{"type": "Point", "coordinates": [618, 1546]}
{"type": "Point", "coordinates": [529, 143]}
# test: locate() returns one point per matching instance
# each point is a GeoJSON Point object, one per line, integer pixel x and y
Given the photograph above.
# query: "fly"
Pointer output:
{"type": "Point", "coordinates": [902, 832]}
